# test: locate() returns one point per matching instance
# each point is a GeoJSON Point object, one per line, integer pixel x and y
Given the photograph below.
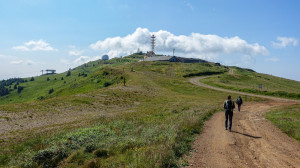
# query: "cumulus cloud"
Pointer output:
{"type": "Point", "coordinates": [188, 5]}
{"type": "Point", "coordinates": [283, 42]}
{"type": "Point", "coordinates": [85, 59]}
{"type": "Point", "coordinates": [273, 59]}
{"type": "Point", "coordinates": [7, 57]}
{"type": "Point", "coordinates": [32, 45]}
{"type": "Point", "coordinates": [195, 45]}
{"type": "Point", "coordinates": [18, 62]}
{"type": "Point", "coordinates": [75, 52]}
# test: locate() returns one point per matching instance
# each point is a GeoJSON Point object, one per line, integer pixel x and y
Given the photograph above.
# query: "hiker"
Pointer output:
{"type": "Point", "coordinates": [228, 106]}
{"type": "Point", "coordinates": [239, 102]}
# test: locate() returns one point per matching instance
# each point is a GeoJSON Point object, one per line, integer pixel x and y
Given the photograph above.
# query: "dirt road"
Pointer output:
{"type": "Point", "coordinates": [253, 142]}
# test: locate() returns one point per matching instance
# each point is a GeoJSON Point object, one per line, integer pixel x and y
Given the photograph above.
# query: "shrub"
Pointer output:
{"type": "Point", "coordinates": [51, 91]}
{"type": "Point", "coordinates": [20, 88]}
{"type": "Point", "coordinates": [101, 153]}
{"type": "Point", "coordinates": [68, 73]}
{"type": "Point", "coordinates": [3, 91]}
{"type": "Point", "coordinates": [105, 73]}
{"type": "Point", "coordinates": [48, 78]}
{"type": "Point", "coordinates": [106, 84]}
{"type": "Point", "coordinates": [50, 158]}
{"type": "Point", "coordinates": [90, 148]}
{"type": "Point", "coordinates": [41, 98]}
{"type": "Point", "coordinates": [32, 79]}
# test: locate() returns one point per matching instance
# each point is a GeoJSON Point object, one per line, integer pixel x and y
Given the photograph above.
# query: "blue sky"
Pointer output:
{"type": "Point", "coordinates": [55, 34]}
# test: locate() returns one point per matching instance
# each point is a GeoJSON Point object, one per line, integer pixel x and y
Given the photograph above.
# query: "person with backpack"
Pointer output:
{"type": "Point", "coordinates": [228, 106]}
{"type": "Point", "coordinates": [239, 102]}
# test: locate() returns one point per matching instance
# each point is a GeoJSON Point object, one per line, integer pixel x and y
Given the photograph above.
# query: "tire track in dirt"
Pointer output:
{"type": "Point", "coordinates": [253, 142]}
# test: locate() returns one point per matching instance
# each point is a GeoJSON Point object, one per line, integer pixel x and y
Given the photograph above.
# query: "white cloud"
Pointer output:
{"type": "Point", "coordinates": [284, 42]}
{"type": "Point", "coordinates": [188, 5]}
{"type": "Point", "coordinates": [19, 62]}
{"type": "Point", "coordinates": [85, 59]}
{"type": "Point", "coordinates": [32, 45]}
{"type": "Point", "coordinates": [273, 59]}
{"type": "Point", "coordinates": [195, 45]}
{"type": "Point", "coordinates": [75, 52]}
{"type": "Point", "coordinates": [65, 61]}
{"type": "Point", "coordinates": [248, 60]}
{"type": "Point", "coordinates": [7, 57]}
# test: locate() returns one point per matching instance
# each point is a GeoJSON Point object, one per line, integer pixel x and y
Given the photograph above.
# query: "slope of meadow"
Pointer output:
{"type": "Point", "coordinates": [246, 80]}
{"type": "Point", "coordinates": [150, 122]}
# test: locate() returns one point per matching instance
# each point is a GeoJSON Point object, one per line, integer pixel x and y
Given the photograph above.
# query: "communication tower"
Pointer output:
{"type": "Point", "coordinates": [153, 43]}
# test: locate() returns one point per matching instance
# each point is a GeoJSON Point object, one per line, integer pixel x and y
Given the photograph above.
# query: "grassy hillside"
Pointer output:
{"type": "Point", "coordinates": [85, 78]}
{"type": "Point", "coordinates": [248, 81]}
{"type": "Point", "coordinates": [150, 122]}
{"type": "Point", "coordinates": [287, 119]}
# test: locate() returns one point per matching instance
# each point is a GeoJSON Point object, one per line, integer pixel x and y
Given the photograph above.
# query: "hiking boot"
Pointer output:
{"type": "Point", "coordinates": [225, 128]}
{"type": "Point", "coordinates": [229, 129]}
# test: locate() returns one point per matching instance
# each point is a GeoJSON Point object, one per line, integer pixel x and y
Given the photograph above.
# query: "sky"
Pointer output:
{"type": "Point", "coordinates": [262, 35]}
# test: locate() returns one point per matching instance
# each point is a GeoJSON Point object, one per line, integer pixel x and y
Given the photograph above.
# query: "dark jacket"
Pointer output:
{"type": "Point", "coordinates": [227, 107]}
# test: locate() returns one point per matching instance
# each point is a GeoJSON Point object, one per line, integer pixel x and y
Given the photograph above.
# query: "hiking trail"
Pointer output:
{"type": "Point", "coordinates": [253, 142]}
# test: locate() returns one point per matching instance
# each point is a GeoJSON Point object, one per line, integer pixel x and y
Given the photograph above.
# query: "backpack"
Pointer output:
{"type": "Point", "coordinates": [238, 101]}
{"type": "Point", "coordinates": [229, 105]}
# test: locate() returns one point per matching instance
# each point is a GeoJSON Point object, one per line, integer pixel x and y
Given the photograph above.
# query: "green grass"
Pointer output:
{"type": "Point", "coordinates": [287, 120]}
{"type": "Point", "coordinates": [150, 122]}
{"type": "Point", "coordinates": [248, 81]}
{"type": "Point", "coordinates": [91, 78]}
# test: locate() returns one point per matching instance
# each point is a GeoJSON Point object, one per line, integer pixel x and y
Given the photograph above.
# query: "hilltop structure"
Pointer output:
{"type": "Point", "coordinates": [48, 71]}
{"type": "Point", "coordinates": [151, 56]}
{"type": "Point", "coordinates": [175, 59]}
{"type": "Point", "coordinates": [151, 53]}
{"type": "Point", "coordinates": [105, 57]}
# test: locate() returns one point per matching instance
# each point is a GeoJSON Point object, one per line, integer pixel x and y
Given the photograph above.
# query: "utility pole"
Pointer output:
{"type": "Point", "coordinates": [42, 72]}
{"type": "Point", "coordinates": [173, 51]}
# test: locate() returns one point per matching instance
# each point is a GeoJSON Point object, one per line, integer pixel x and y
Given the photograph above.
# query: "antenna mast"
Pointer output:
{"type": "Point", "coordinates": [153, 43]}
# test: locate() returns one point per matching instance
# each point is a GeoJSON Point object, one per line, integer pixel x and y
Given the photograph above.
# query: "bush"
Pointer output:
{"type": "Point", "coordinates": [32, 79]}
{"type": "Point", "coordinates": [3, 91]}
{"type": "Point", "coordinates": [51, 91]}
{"type": "Point", "coordinates": [48, 78]}
{"type": "Point", "coordinates": [41, 98]}
{"type": "Point", "coordinates": [20, 88]}
{"type": "Point", "coordinates": [106, 84]}
{"type": "Point", "coordinates": [105, 73]}
{"type": "Point", "coordinates": [90, 148]}
{"type": "Point", "coordinates": [101, 153]}
{"type": "Point", "coordinates": [68, 73]}
{"type": "Point", "coordinates": [50, 158]}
